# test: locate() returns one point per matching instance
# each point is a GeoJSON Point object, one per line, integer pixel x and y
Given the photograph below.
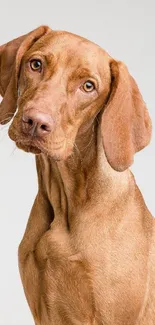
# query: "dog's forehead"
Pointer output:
{"type": "Point", "coordinates": [69, 47]}
{"type": "Point", "coordinates": [60, 40]}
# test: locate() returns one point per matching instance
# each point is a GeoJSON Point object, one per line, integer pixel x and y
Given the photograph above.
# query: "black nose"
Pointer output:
{"type": "Point", "coordinates": [36, 123]}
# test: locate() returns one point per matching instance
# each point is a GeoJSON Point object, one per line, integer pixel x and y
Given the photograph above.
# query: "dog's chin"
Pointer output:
{"type": "Point", "coordinates": [57, 152]}
{"type": "Point", "coordinates": [28, 148]}
{"type": "Point", "coordinates": [57, 155]}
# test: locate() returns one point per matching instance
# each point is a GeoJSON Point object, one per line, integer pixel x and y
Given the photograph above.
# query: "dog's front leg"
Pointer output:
{"type": "Point", "coordinates": [39, 222]}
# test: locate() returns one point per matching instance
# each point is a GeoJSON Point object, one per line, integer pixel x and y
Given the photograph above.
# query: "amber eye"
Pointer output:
{"type": "Point", "coordinates": [36, 65]}
{"type": "Point", "coordinates": [88, 86]}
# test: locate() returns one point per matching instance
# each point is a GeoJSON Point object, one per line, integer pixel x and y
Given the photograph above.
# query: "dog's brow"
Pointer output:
{"type": "Point", "coordinates": [80, 73]}
{"type": "Point", "coordinates": [49, 57]}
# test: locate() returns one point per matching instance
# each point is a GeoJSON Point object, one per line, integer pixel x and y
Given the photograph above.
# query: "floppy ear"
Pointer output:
{"type": "Point", "coordinates": [10, 58]}
{"type": "Point", "coordinates": [125, 125]}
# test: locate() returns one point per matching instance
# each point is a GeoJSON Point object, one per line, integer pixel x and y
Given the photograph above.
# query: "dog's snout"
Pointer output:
{"type": "Point", "coordinates": [36, 123]}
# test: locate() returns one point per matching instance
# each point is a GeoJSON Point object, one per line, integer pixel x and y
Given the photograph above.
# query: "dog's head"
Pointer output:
{"type": "Point", "coordinates": [60, 82]}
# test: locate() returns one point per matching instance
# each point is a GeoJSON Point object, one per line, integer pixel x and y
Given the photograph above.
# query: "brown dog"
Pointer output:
{"type": "Point", "coordinates": [88, 253]}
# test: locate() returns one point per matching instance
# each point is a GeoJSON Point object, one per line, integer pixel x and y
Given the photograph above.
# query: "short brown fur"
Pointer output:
{"type": "Point", "coordinates": [88, 253]}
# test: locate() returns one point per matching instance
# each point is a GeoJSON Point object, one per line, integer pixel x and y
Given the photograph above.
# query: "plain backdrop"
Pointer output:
{"type": "Point", "coordinates": [126, 29]}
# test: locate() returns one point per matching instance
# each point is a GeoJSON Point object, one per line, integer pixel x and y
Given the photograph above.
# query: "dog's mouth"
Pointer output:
{"type": "Point", "coordinates": [57, 149]}
{"type": "Point", "coordinates": [28, 147]}
{"type": "Point", "coordinates": [56, 152]}
{"type": "Point", "coordinates": [33, 146]}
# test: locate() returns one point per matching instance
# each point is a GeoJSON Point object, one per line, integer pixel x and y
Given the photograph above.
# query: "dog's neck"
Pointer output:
{"type": "Point", "coordinates": [85, 178]}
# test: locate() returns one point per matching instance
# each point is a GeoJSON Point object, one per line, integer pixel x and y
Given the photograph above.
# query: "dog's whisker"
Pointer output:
{"type": "Point", "coordinates": [3, 121]}
{"type": "Point", "coordinates": [90, 141]}
{"type": "Point", "coordinates": [13, 151]}
{"type": "Point", "coordinates": [96, 118]}
{"type": "Point", "coordinates": [78, 153]}
{"type": "Point", "coordinates": [7, 116]}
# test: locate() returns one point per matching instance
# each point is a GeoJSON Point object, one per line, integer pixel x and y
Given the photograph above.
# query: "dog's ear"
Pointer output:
{"type": "Point", "coordinates": [125, 125]}
{"type": "Point", "coordinates": [10, 58]}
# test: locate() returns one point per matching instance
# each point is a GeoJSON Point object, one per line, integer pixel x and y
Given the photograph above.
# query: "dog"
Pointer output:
{"type": "Point", "coordinates": [88, 253]}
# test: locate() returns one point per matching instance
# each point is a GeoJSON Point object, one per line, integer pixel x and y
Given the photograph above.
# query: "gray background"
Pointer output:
{"type": "Point", "coordinates": [126, 29]}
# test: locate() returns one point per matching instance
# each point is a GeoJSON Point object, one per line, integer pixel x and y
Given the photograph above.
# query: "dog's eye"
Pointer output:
{"type": "Point", "coordinates": [36, 65]}
{"type": "Point", "coordinates": [88, 86]}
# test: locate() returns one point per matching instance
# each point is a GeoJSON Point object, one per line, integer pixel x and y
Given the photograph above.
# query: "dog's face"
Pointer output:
{"type": "Point", "coordinates": [59, 82]}
{"type": "Point", "coordinates": [61, 88]}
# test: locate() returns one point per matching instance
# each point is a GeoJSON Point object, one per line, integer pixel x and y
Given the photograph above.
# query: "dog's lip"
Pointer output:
{"type": "Point", "coordinates": [34, 144]}
{"type": "Point", "coordinates": [29, 146]}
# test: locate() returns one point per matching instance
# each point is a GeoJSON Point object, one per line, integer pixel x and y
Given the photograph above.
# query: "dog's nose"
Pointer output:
{"type": "Point", "coordinates": [36, 123]}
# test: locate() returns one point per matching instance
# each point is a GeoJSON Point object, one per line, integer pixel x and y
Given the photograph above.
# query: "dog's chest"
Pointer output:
{"type": "Point", "coordinates": [91, 275]}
